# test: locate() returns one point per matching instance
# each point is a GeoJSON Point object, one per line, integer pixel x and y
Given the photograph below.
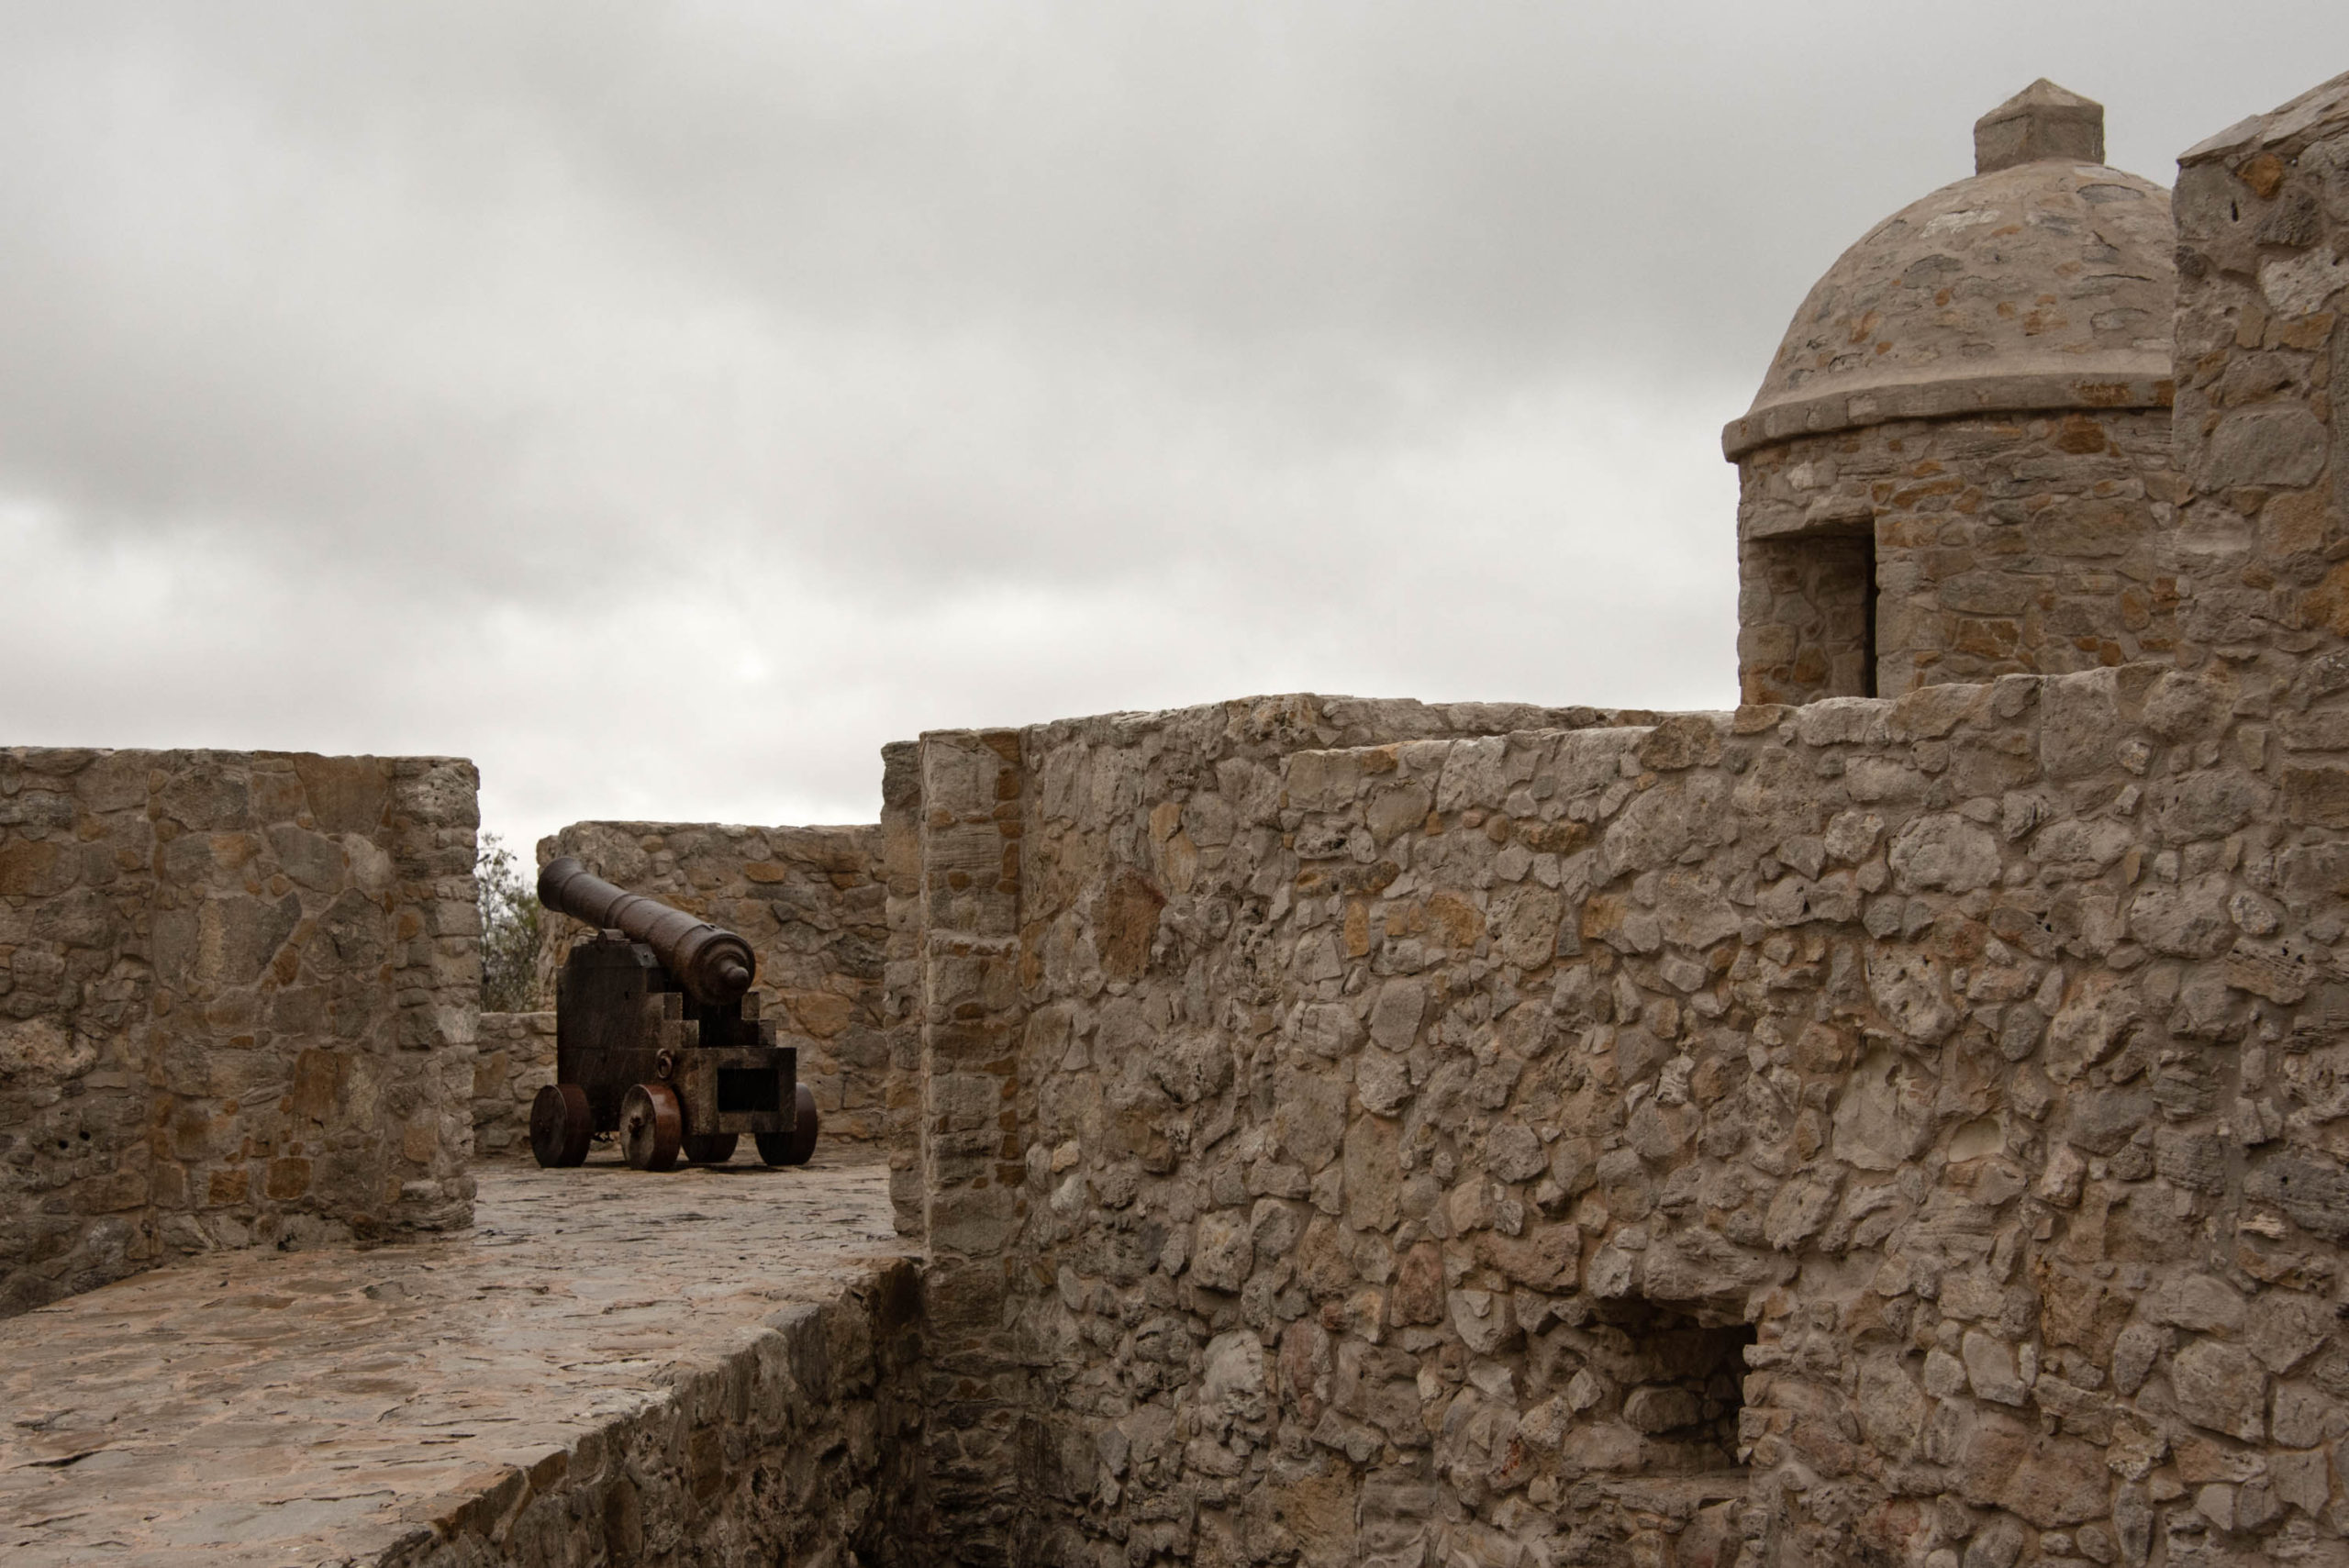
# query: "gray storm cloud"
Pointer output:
{"type": "Point", "coordinates": [903, 366]}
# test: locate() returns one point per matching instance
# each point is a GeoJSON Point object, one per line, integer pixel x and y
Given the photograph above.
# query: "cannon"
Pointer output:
{"type": "Point", "coordinates": [658, 1039]}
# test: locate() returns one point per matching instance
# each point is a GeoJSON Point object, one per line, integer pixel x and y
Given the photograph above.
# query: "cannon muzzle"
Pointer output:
{"type": "Point", "coordinates": [713, 963]}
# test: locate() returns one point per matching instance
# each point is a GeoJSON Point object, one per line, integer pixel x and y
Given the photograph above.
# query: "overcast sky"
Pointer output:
{"type": "Point", "coordinates": [665, 406]}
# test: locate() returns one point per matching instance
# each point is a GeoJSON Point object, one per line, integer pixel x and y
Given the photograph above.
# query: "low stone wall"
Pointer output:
{"type": "Point", "coordinates": [704, 1367]}
{"type": "Point", "coordinates": [810, 901]}
{"type": "Point", "coordinates": [236, 1001]}
{"type": "Point", "coordinates": [800, 1446]}
{"type": "Point", "coordinates": [514, 1060]}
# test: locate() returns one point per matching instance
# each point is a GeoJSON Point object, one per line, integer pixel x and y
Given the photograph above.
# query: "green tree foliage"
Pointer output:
{"type": "Point", "coordinates": [509, 930]}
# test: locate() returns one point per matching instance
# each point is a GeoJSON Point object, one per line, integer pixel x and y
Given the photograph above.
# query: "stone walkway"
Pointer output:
{"type": "Point", "coordinates": [332, 1407]}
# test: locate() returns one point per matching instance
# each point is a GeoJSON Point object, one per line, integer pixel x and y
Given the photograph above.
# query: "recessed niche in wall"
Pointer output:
{"type": "Point", "coordinates": [1821, 598]}
{"type": "Point", "coordinates": [1678, 1381]}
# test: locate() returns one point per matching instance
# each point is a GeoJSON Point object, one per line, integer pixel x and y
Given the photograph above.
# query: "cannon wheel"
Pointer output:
{"type": "Point", "coordinates": [711, 1148]}
{"type": "Point", "coordinates": [652, 1126]}
{"type": "Point", "coordinates": [561, 1125]}
{"type": "Point", "coordinates": [797, 1146]}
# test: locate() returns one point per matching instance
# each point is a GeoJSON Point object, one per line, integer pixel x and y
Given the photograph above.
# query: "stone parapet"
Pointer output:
{"type": "Point", "coordinates": [513, 1061]}
{"type": "Point", "coordinates": [237, 993]}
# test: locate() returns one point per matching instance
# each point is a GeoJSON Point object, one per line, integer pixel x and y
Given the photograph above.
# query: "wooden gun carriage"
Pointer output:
{"type": "Point", "coordinates": [658, 1039]}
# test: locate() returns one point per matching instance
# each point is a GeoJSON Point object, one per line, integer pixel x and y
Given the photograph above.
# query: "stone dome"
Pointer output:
{"type": "Point", "coordinates": [2044, 281]}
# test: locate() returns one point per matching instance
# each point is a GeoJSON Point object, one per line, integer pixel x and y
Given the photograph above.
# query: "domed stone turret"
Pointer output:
{"type": "Point", "coordinates": [1957, 464]}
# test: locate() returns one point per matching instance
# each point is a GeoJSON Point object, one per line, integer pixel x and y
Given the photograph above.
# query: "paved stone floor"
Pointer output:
{"type": "Point", "coordinates": [315, 1408]}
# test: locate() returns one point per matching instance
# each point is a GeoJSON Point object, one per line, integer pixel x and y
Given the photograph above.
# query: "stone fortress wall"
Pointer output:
{"type": "Point", "coordinates": [1898, 1129]}
{"type": "Point", "coordinates": [993, 974]}
{"type": "Point", "coordinates": [237, 997]}
{"type": "Point", "coordinates": [513, 1060]}
{"type": "Point", "coordinates": [1477, 1146]}
{"type": "Point", "coordinates": [1859, 1128]}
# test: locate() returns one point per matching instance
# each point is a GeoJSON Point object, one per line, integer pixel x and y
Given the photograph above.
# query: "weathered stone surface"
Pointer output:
{"type": "Point", "coordinates": [587, 1377]}
{"type": "Point", "coordinates": [2283, 446]}
{"type": "Point", "coordinates": [2303, 1417]}
{"type": "Point", "coordinates": [1659, 1410]}
{"type": "Point", "coordinates": [514, 1058]}
{"type": "Point", "coordinates": [1909, 321]}
{"type": "Point", "coordinates": [1990, 1368]}
{"type": "Point", "coordinates": [2309, 1188]}
{"type": "Point", "coordinates": [237, 1003]}
{"type": "Point", "coordinates": [1944, 852]}
{"type": "Point", "coordinates": [2049, 1481]}
{"type": "Point", "coordinates": [1223, 1251]}
{"type": "Point", "coordinates": [1395, 1018]}
{"type": "Point", "coordinates": [2189, 921]}
{"type": "Point", "coordinates": [2220, 1387]}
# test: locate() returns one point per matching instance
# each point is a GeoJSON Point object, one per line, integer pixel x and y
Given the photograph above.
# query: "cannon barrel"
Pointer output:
{"type": "Point", "coordinates": [713, 963]}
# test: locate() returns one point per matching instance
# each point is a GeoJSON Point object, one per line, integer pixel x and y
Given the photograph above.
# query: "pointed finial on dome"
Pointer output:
{"type": "Point", "coordinates": [2041, 122]}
